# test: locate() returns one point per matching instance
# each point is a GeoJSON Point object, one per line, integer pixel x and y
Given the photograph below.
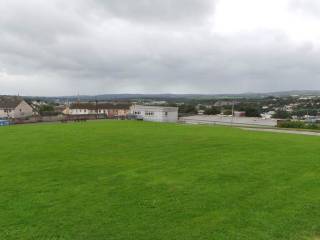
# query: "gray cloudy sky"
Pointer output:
{"type": "Point", "coordinates": [59, 47]}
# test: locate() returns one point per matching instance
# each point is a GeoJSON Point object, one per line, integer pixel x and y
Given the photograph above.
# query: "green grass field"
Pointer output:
{"type": "Point", "coordinates": [148, 181]}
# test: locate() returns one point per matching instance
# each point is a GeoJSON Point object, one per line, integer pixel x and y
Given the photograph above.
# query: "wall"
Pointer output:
{"type": "Point", "coordinates": [81, 111]}
{"type": "Point", "coordinates": [107, 112]}
{"type": "Point", "coordinates": [158, 113]}
{"type": "Point", "coordinates": [4, 114]}
{"type": "Point", "coordinates": [23, 110]}
{"type": "Point", "coordinates": [37, 119]}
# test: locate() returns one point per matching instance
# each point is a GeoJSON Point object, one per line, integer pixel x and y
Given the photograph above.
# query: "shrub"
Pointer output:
{"type": "Point", "coordinates": [212, 111]}
{"type": "Point", "coordinates": [297, 124]}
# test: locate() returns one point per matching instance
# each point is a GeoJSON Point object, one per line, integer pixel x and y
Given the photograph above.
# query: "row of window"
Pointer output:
{"type": "Point", "coordinates": [85, 110]}
{"type": "Point", "coordinates": [149, 113]}
{"type": "Point", "coordinates": [80, 110]}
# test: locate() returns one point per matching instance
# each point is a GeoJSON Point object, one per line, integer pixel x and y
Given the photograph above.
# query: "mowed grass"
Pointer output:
{"type": "Point", "coordinates": [136, 180]}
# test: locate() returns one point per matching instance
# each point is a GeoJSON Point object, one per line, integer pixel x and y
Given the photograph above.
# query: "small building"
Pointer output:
{"type": "Point", "coordinates": [14, 107]}
{"type": "Point", "coordinates": [155, 113]}
{"type": "Point", "coordinates": [267, 115]}
{"type": "Point", "coordinates": [59, 109]}
{"type": "Point", "coordinates": [239, 114]}
{"type": "Point", "coordinates": [201, 112]}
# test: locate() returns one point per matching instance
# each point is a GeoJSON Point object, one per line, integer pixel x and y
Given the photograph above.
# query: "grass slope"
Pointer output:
{"type": "Point", "coordinates": [134, 180]}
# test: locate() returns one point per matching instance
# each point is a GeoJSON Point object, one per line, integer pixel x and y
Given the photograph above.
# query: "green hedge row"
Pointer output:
{"type": "Point", "coordinates": [298, 124]}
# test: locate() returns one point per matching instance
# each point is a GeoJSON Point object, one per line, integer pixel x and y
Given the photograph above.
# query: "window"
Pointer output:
{"type": "Point", "coordinates": [166, 114]}
{"type": "Point", "coordinates": [149, 113]}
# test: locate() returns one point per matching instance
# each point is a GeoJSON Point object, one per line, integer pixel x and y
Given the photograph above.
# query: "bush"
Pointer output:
{"type": "Point", "coordinates": [212, 111]}
{"type": "Point", "coordinates": [292, 124]}
{"type": "Point", "coordinates": [227, 112]}
{"type": "Point", "coordinates": [298, 124]}
{"type": "Point", "coordinates": [252, 112]}
{"type": "Point", "coordinates": [187, 109]}
{"type": "Point", "coordinates": [282, 115]}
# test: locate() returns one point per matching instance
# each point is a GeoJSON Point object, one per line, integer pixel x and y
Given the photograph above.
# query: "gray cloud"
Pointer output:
{"type": "Point", "coordinates": [308, 7]}
{"type": "Point", "coordinates": [159, 11]}
{"type": "Point", "coordinates": [65, 47]}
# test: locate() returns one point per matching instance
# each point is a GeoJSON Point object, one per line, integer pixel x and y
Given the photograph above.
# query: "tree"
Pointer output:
{"type": "Point", "coordinates": [212, 111]}
{"type": "Point", "coordinates": [46, 110]}
{"type": "Point", "coordinates": [303, 112]}
{"type": "Point", "coordinates": [227, 112]}
{"type": "Point", "coordinates": [282, 115]}
{"type": "Point", "coordinates": [187, 109]}
{"type": "Point", "coordinates": [252, 112]}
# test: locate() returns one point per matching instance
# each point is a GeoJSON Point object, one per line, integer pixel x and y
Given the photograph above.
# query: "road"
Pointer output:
{"type": "Point", "coordinates": [284, 131]}
{"type": "Point", "coordinates": [227, 120]}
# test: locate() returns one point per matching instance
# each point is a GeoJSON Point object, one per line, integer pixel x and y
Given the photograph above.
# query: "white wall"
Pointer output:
{"type": "Point", "coordinates": [4, 114]}
{"type": "Point", "coordinates": [86, 111]}
{"type": "Point", "coordinates": [155, 113]}
{"type": "Point", "coordinates": [23, 110]}
{"type": "Point", "coordinates": [81, 111]}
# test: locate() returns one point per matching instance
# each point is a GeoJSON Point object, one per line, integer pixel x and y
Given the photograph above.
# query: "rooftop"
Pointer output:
{"type": "Point", "coordinates": [9, 102]}
{"type": "Point", "coordinates": [154, 108]}
{"type": "Point", "coordinates": [94, 106]}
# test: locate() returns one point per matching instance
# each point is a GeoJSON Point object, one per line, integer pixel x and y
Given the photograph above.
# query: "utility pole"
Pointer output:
{"type": "Point", "coordinates": [97, 114]}
{"type": "Point", "coordinates": [232, 112]}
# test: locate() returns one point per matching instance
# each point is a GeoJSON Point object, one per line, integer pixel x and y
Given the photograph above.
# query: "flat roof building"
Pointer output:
{"type": "Point", "coordinates": [155, 113]}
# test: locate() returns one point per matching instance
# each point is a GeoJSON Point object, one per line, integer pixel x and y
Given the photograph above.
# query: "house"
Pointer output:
{"type": "Point", "coordinates": [59, 109]}
{"type": "Point", "coordinates": [108, 109]}
{"type": "Point", "coordinates": [81, 109]}
{"type": "Point", "coordinates": [239, 114]}
{"type": "Point", "coordinates": [267, 115]}
{"type": "Point", "coordinates": [14, 107]}
{"type": "Point", "coordinates": [155, 113]}
{"type": "Point", "coordinates": [201, 112]}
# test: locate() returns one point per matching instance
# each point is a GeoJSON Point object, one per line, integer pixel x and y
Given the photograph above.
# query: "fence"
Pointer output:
{"type": "Point", "coordinates": [4, 123]}
{"type": "Point", "coordinates": [65, 118]}
{"type": "Point", "coordinates": [59, 118]}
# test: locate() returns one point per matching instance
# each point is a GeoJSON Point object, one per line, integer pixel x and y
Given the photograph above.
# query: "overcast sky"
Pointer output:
{"type": "Point", "coordinates": [59, 47]}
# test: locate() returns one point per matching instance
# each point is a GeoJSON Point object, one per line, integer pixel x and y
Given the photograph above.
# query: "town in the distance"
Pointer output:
{"type": "Point", "coordinates": [283, 109]}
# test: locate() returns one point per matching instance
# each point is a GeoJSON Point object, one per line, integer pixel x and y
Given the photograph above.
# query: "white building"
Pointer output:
{"type": "Point", "coordinates": [108, 109]}
{"type": "Point", "coordinates": [267, 115]}
{"type": "Point", "coordinates": [155, 113]}
{"type": "Point", "coordinates": [14, 107]}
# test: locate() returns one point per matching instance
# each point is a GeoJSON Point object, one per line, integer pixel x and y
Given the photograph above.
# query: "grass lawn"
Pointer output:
{"type": "Point", "coordinates": [146, 181]}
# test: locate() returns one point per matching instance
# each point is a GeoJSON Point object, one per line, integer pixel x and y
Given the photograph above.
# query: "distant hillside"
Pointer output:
{"type": "Point", "coordinates": [126, 97]}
